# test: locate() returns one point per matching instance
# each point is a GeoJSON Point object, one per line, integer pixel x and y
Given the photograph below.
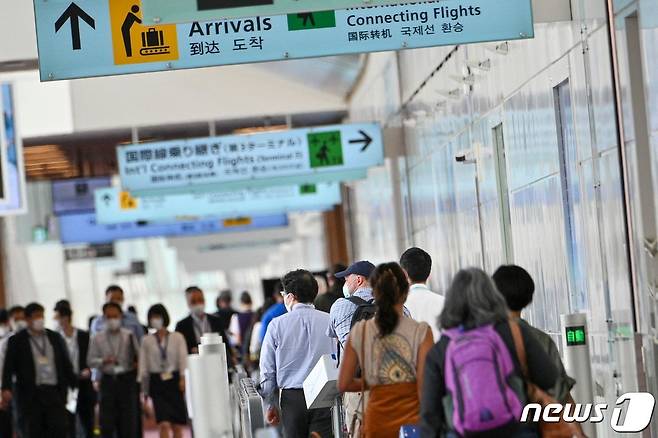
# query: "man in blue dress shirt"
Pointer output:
{"type": "Point", "coordinates": [114, 294]}
{"type": "Point", "coordinates": [293, 345]}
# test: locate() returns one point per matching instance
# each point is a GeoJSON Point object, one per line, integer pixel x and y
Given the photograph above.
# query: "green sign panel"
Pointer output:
{"type": "Point", "coordinates": [315, 20]}
{"type": "Point", "coordinates": [185, 11]}
{"type": "Point", "coordinates": [325, 149]}
{"type": "Point", "coordinates": [576, 335]}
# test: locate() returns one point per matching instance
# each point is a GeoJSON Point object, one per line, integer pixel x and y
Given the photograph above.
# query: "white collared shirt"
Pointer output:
{"type": "Point", "coordinates": [425, 306]}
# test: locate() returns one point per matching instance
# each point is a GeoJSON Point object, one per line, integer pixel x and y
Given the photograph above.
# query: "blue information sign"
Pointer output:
{"type": "Point", "coordinates": [109, 37]}
{"type": "Point", "coordinates": [296, 156]}
{"type": "Point", "coordinates": [113, 205]}
{"type": "Point", "coordinates": [83, 228]}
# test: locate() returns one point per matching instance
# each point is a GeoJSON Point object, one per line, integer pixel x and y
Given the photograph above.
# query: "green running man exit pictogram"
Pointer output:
{"type": "Point", "coordinates": [325, 149]}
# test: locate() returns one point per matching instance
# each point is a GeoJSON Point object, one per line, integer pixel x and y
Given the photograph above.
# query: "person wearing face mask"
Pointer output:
{"type": "Point", "coordinates": [162, 364]}
{"type": "Point", "coordinates": [114, 294]}
{"type": "Point", "coordinates": [77, 344]}
{"type": "Point", "coordinates": [114, 353]}
{"type": "Point", "coordinates": [199, 323]}
{"type": "Point", "coordinates": [294, 343]}
{"type": "Point", "coordinates": [37, 358]}
{"type": "Point", "coordinates": [356, 285]}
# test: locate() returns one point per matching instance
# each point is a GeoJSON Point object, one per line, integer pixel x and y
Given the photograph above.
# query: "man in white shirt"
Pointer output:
{"type": "Point", "coordinates": [424, 305]}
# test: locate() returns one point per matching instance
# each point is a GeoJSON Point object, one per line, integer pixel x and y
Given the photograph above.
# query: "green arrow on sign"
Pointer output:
{"type": "Point", "coordinates": [311, 20]}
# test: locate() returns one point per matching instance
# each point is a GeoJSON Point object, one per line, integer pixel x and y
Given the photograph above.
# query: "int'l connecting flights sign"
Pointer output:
{"type": "Point", "coordinates": [86, 38]}
{"type": "Point", "coordinates": [182, 11]}
{"type": "Point", "coordinates": [116, 206]}
{"type": "Point", "coordinates": [295, 156]}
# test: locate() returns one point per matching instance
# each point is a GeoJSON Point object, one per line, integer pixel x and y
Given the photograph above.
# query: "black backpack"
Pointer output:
{"type": "Point", "coordinates": [365, 310]}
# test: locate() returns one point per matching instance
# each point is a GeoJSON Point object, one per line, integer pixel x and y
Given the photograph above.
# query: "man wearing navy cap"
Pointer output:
{"type": "Point", "coordinates": [340, 323]}
{"type": "Point", "coordinates": [356, 285]}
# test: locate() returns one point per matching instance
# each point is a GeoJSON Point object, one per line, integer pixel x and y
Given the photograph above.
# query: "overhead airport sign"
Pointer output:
{"type": "Point", "coordinates": [89, 38]}
{"type": "Point", "coordinates": [84, 228]}
{"type": "Point", "coordinates": [113, 205]}
{"type": "Point", "coordinates": [183, 11]}
{"type": "Point", "coordinates": [296, 156]}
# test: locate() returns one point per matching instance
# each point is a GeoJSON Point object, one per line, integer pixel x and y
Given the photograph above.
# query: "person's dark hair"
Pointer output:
{"type": "Point", "coordinates": [417, 263]}
{"type": "Point", "coordinates": [472, 300]}
{"type": "Point", "coordinates": [245, 298]}
{"type": "Point", "coordinates": [192, 289]}
{"type": "Point", "coordinates": [225, 296]}
{"type": "Point", "coordinates": [302, 284]}
{"type": "Point", "coordinates": [132, 309]}
{"type": "Point", "coordinates": [32, 308]}
{"type": "Point", "coordinates": [4, 316]}
{"type": "Point", "coordinates": [516, 286]}
{"type": "Point", "coordinates": [15, 309]}
{"type": "Point", "coordinates": [113, 288]}
{"type": "Point", "coordinates": [158, 310]}
{"type": "Point", "coordinates": [61, 304]}
{"type": "Point", "coordinates": [64, 311]}
{"type": "Point", "coordinates": [389, 288]}
{"type": "Point", "coordinates": [111, 305]}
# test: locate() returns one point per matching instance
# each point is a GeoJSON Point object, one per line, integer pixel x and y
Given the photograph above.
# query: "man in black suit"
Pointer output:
{"type": "Point", "coordinates": [199, 323]}
{"type": "Point", "coordinates": [39, 361]}
{"type": "Point", "coordinates": [77, 344]}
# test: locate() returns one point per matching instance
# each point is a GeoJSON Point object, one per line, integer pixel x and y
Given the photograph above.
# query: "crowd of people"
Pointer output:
{"type": "Point", "coordinates": [452, 365]}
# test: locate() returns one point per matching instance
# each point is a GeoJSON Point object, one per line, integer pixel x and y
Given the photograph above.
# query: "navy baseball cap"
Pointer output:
{"type": "Point", "coordinates": [363, 268]}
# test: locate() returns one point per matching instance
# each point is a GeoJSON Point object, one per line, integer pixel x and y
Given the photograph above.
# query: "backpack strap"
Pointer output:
{"type": "Point", "coordinates": [519, 347]}
{"type": "Point", "coordinates": [357, 301]}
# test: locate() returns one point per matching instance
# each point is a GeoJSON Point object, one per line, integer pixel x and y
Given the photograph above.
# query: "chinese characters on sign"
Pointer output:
{"type": "Point", "coordinates": [124, 44]}
{"type": "Point", "coordinates": [303, 153]}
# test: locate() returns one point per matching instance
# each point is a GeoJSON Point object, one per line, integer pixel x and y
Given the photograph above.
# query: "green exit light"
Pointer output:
{"type": "Point", "coordinates": [576, 335]}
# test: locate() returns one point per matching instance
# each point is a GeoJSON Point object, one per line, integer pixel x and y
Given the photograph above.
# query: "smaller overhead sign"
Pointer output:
{"type": "Point", "coordinates": [11, 153]}
{"type": "Point", "coordinates": [76, 195]}
{"type": "Point", "coordinates": [114, 205]}
{"type": "Point", "coordinates": [296, 156]}
{"type": "Point", "coordinates": [110, 37]}
{"type": "Point", "coordinates": [83, 228]}
{"type": "Point", "coordinates": [181, 11]}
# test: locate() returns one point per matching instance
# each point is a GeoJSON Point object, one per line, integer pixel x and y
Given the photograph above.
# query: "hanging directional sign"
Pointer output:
{"type": "Point", "coordinates": [109, 37]}
{"type": "Point", "coordinates": [182, 11]}
{"type": "Point", "coordinates": [84, 228]}
{"type": "Point", "coordinates": [296, 156]}
{"type": "Point", "coordinates": [111, 205]}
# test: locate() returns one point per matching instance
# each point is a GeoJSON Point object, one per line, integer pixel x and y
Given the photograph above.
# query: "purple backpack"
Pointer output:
{"type": "Point", "coordinates": [478, 366]}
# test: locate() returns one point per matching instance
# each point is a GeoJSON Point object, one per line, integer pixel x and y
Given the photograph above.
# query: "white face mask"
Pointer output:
{"type": "Point", "coordinates": [3, 330]}
{"type": "Point", "coordinates": [287, 303]}
{"type": "Point", "coordinates": [157, 323]}
{"type": "Point", "coordinates": [114, 324]}
{"type": "Point", "coordinates": [346, 291]}
{"type": "Point", "coordinates": [19, 325]}
{"type": "Point", "coordinates": [198, 309]}
{"type": "Point", "coordinates": [38, 325]}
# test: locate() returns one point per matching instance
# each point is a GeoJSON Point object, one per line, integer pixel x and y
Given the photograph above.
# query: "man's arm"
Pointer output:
{"type": "Point", "coordinates": [268, 385]}
{"type": "Point", "coordinates": [94, 356]}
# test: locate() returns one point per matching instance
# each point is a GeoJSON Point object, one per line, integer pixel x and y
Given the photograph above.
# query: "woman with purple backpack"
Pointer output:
{"type": "Point", "coordinates": [473, 383]}
{"type": "Point", "coordinates": [385, 356]}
